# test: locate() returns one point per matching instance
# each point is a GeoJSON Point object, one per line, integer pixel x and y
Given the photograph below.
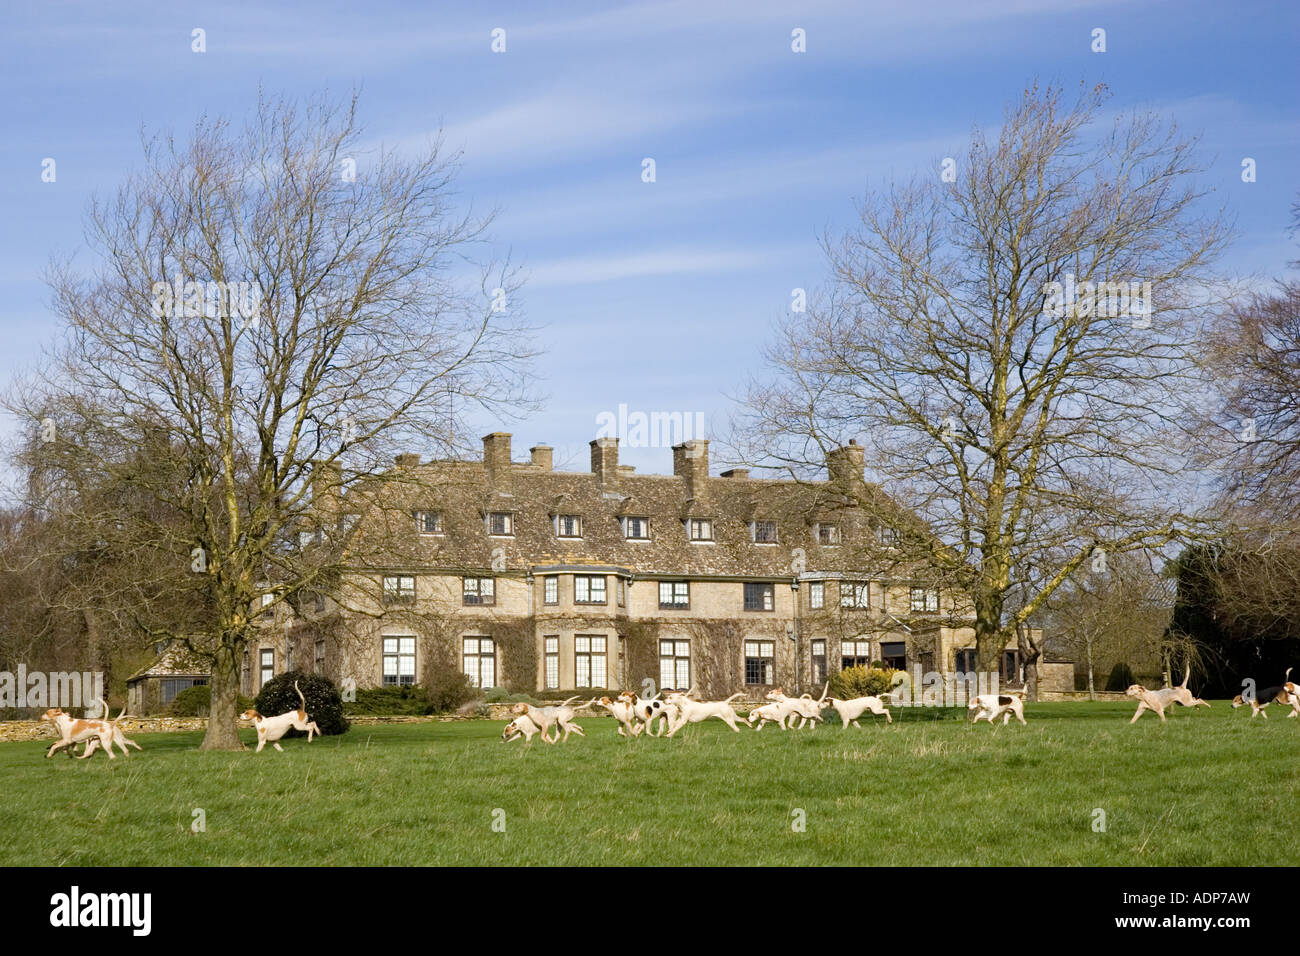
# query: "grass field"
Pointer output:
{"type": "Point", "coordinates": [1211, 787]}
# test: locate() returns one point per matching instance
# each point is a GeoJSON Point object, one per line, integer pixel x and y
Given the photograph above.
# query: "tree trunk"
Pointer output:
{"type": "Point", "coordinates": [1092, 687]}
{"type": "Point", "coordinates": [223, 711]}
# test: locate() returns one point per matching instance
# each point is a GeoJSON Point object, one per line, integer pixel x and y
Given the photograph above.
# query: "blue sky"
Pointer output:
{"type": "Point", "coordinates": [659, 296]}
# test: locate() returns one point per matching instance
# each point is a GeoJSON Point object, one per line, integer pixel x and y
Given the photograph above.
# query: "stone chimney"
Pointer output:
{"type": "Point", "coordinates": [741, 473]}
{"type": "Point", "coordinates": [604, 459]}
{"type": "Point", "coordinates": [326, 488]}
{"type": "Point", "coordinates": [543, 456]}
{"type": "Point", "coordinates": [844, 467]}
{"type": "Point", "coordinates": [496, 455]}
{"type": "Point", "coordinates": [691, 462]}
{"type": "Point", "coordinates": [407, 461]}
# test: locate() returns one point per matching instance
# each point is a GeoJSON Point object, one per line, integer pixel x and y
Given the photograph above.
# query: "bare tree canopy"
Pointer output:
{"type": "Point", "coordinates": [1254, 351]}
{"type": "Point", "coordinates": [1016, 347]}
{"type": "Point", "coordinates": [273, 314]}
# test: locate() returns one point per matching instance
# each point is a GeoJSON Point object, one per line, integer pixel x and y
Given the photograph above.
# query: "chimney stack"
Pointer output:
{"type": "Point", "coordinates": [407, 461]}
{"type": "Point", "coordinates": [543, 456]}
{"type": "Point", "coordinates": [691, 462]}
{"type": "Point", "coordinates": [844, 467]}
{"type": "Point", "coordinates": [604, 459]}
{"type": "Point", "coordinates": [740, 473]}
{"type": "Point", "coordinates": [496, 455]}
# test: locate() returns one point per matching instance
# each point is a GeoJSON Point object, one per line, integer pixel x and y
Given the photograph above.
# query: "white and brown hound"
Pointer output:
{"type": "Point", "coordinates": [1158, 700]}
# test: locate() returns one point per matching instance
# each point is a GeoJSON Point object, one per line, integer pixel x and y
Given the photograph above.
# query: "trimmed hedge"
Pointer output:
{"type": "Point", "coordinates": [324, 703]}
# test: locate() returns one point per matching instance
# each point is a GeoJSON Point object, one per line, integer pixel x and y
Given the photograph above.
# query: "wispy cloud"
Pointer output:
{"type": "Point", "coordinates": [583, 270]}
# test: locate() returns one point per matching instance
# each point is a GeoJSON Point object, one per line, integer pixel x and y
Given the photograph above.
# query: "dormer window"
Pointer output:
{"type": "Point", "coordinates": [700, 529]}
{"type": "Point", "coordinates": [636, 528]}
{"type": "Point", "coordinates": [568, 526]}
{"type": "Point", "coordinates": [428, 522]}
{"type": "Point", "coordinates": [888, 535]}
{"type": "Point", "coordinates": [828, 533]}
{"type": "Point", "coordinates": [763, 532]}
{"type": "Point", "coordinates": [501, 524]}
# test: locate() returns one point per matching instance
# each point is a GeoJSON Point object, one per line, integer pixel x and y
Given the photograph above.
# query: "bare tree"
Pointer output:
{"type": "Point", "coordinates": [993, 341]}
{"type": "Point", "coordinates": [1118, 616]}
{"type": "Point", "coordinates": [273, 315]}
{"type": "Point", "coordinates": [1254, 351]}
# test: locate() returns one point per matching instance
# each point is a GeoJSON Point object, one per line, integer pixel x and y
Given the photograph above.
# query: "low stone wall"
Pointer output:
{"type": "Point", "coordinates": [40, 729]}
{"type": "Point", "coordinates": [1059, 696]}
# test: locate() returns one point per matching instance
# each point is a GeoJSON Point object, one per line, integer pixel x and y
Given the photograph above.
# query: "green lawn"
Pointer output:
{"type": "Point", "coordinates": [1211, 787]}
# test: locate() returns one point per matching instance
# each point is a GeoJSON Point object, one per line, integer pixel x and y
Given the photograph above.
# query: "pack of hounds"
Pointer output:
{"type": "Point", "coordinates": [103, 734]}
{"type": "Point", "coordinates": [655, 717]}
{"type": "Point", "coordinates": [666, 713]}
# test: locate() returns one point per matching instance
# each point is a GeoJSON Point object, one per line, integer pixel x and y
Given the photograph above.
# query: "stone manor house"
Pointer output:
{"type": "Point", "coordinates": [538, 580]}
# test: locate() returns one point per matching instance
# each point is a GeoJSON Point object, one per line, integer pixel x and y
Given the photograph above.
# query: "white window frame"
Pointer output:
{"type": "Point", "coordinates": [928, 602]}
{"type": "Point", "coordinates": [585, 647]}
{"type": "Point", "coordinates": [400, 653]}
{"type": "Point", "coordinates": [509, 524]}
{"type": "Point", "coordinates": [702, 525]}
{"type": "Point", "coordinates": [478, 655]}
{"type": "Point", "coordinates": [551, 661]}
{"type": "Point", "coordinates": [559, 521]}
{"type": "Point", "coordinates": [585, 584]}
{"type": "Point", "coordinates": [397, 593]}
{"type": "Point", "coordinates": [858, 596]}
{"type": "Point", "coordinates": [477, 592]}
{"type": "Point", "coordinates": [421, 521]}
{"type": "Point", "coordinates": [644, 523]}
{"type": "Point", "coordinates": [674, 663]}
{"type": "Point", "coordinates": [673, 604]}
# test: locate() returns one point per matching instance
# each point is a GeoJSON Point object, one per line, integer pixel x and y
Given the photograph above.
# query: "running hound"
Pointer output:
{"type": "Point", "coordinates": [693, 711]}
{"type": "Point", "coordinates": [559, 716]}
{"type": "Point", "coordinates": [621, 710]}
{"type": "Point", "coordinates": [271, 729]}
{"type": "Point", "coordinates": [991, 706]}
{"type": "Point", "coordinates": [73, 731]}
{"type": "Point", "coordinates": [1158, 700]}
{"type": "Point", "coordinates": [1288, 695]}
{"type": "Point", "coordinates": [521, 726]}
{"type": "Point", "coordinates": [650, 709]}
{"type": "Point", "coordinates": [851, 710]}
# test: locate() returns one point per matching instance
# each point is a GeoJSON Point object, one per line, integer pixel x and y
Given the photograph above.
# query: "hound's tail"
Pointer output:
{"type": "Point", "coordinates": [824, 690]}
{"type": "Point", "coordinates": [107, 713]}
{"type": "Point", "coordinates": [300, 697]}
{"type": "Point", "coordinates": [569, 701]}
{"type": "Point", "coordinates": [739, 693]}
{"type": "Point", "coordinates": [1187, 673]}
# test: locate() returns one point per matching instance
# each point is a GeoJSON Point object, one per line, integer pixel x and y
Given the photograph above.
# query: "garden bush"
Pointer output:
{"type": "Point", "coordinates": [861, 682]}
{"type": "Point", "coordinates": [324, 703]}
